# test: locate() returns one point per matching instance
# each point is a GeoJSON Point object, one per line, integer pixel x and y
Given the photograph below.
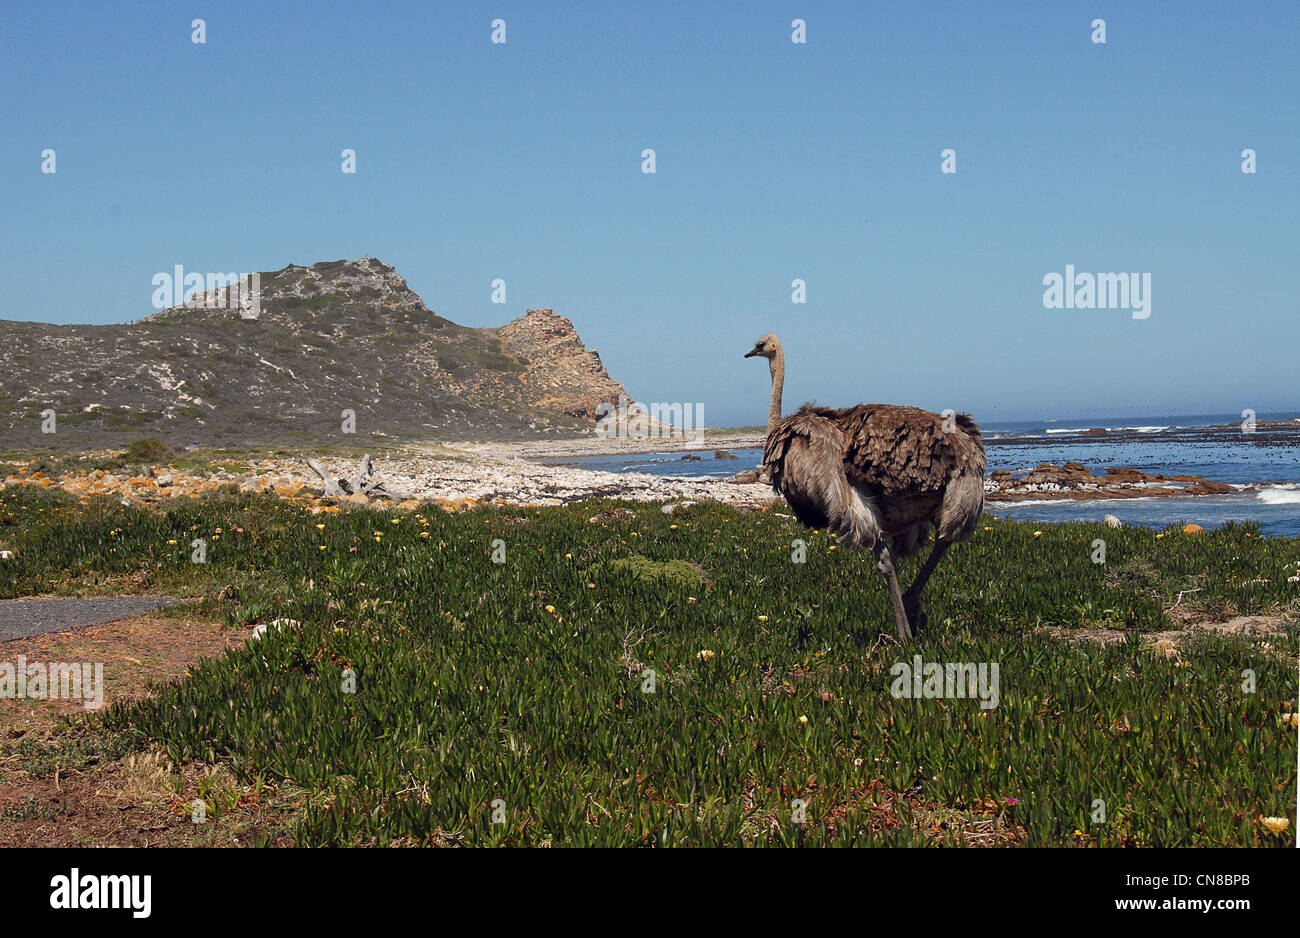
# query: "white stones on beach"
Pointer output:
{"type": "Point", "coordinates": [674, 507]}
{"type": "Point", "coordinates": [1112, 522]}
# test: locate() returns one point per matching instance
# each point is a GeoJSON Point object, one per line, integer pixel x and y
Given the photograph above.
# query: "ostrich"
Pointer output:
{"type": "Point", "coordinates": [874, 473]}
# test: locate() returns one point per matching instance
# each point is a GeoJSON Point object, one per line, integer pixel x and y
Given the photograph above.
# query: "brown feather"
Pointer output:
{"type": "Point", "coordinates": [904, 450]}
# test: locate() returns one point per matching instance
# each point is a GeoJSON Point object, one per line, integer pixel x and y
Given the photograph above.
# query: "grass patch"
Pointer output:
{"type": "Point", "coordinates": [423, 682]}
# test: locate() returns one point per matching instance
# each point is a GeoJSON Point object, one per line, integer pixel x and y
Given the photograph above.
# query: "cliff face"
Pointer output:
{"type": "Point", "coordinates": [562, 374]}
{"type": "Point", "coordinates": [332, 337]}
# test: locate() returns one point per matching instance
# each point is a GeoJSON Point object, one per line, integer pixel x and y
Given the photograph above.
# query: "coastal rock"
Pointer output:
{"type": "Point", "coordinates": [723, 454]}
{"type": "Point", "coordinates": [691, 457]}
{"type": "Point", "coordinates": [673, 508]}
{"type": "Point", "coordinates": [1116, 474]}
{"type": "Point", "coordinates": [1205, 487]}
{"type": "Point", "coordinates": [749, 476]}
{"type": "Point", "coordinates": [1072, 473]}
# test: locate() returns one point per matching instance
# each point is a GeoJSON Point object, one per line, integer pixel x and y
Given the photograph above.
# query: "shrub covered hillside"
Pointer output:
{"type": "Point", "coordinates": [608, 674]}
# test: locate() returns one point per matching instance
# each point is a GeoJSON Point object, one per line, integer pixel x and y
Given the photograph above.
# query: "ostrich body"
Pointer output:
{"type": "Point", "coordinates": [879, 476]}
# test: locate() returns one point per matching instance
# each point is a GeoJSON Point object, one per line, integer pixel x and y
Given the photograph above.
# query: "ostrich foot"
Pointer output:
{"type": "Point", "coordinates": [915, 614]}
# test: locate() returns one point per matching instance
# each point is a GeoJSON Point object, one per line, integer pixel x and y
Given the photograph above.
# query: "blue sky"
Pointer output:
{"type": "Point", "coordinates": [775, 161]}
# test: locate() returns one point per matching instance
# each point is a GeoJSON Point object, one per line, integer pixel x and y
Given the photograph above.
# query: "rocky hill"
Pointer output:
{"type": "Point", "coordinates": [332, 337]}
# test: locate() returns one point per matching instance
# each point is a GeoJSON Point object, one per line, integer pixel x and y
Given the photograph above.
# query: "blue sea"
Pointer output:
{"type": "Point", "coordinates": [1176, 445]}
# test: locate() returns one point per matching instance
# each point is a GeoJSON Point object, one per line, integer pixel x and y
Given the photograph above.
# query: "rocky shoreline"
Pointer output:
{"type": "Point", "coordinates": [468, 474]}
{"type": "Point", "coordinates": [1075, 481]}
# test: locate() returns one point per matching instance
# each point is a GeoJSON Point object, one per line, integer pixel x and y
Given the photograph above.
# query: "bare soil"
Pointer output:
{"type": "Point", "coordinates": [66, 781]}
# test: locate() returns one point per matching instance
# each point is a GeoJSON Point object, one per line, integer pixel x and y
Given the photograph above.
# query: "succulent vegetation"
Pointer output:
{"type": "Point", "coordinates": [520, 688]}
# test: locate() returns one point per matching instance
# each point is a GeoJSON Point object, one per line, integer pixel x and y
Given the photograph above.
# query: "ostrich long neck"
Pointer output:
{"type": "Point", "coordinates": [777, 366]}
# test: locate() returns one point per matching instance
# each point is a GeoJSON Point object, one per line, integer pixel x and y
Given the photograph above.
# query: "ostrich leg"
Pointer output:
{"type": "Point", "coordinates": [912, 598]}
{"type": "Point", "coordinates": [886, 563]}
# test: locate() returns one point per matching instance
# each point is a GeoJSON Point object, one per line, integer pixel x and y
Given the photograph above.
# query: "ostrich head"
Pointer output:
{"type": "Point", "coordinates": [768, 347]}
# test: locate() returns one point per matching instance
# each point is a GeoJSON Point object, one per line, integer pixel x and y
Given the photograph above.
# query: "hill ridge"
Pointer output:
{"type": "Point", "coordinates": [334, 336]}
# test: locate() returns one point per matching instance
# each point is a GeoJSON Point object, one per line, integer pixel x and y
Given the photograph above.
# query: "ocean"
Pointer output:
{"type": "Point", "coordinates": [1212, 445]}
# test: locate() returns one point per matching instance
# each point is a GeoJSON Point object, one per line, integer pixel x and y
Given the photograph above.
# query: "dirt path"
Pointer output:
{"type": "Point", "coordinates": [1259, 627]}
{"type": "Point", "coordinates": [23, 618]}
{"type": "Point", "coordinates": [67, 781]}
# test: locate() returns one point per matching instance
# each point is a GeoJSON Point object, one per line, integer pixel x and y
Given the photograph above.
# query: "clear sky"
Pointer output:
{"type": "Point", "coordinates": [775, 161]}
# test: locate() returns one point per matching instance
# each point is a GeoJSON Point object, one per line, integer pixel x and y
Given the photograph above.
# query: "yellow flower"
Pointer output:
{"type": "Point", "coordinates": [320, 527]}
{"type": "Point", "coordinates": [424, 534]}
{"type": "Point", "coordinates": [568, 556]}
{"type": "Point", "coordinates": [322, 547]}
{"type": "Point", "coordinates": [704, 655]}
{"type": "Point", "coordinates": [1276, 824]}
{"type": "Point", "coordinates": [1038, 534]}
{"type": "Point", "coordinates": [762, 618]}
{"type": "Point", "coordinates": [550, 608]}
{"type": "Point", "coordinates": [803, 719]}
{"type": "Point", "coordinates": [1292, 718]}
{"type": "Point", "coordinates": [171, 542]}
{"type": "Point", "coordinates": [397, 521]}
{"type": "Point", "coordinates": [672, 527]}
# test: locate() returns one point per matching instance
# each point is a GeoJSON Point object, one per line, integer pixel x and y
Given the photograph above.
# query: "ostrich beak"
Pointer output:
{"type": "Point", "coordinates": [751, 354]}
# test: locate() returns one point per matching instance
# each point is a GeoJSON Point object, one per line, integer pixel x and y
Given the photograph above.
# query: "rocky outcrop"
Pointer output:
{"type": "Point", "coordinates": [1075, 480]}
{"type": "Point", "coordinates": [561, 373]}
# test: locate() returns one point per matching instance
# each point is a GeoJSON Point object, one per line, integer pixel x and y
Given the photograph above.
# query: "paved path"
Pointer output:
{"type": "Point", "coordinates": [22, 618]}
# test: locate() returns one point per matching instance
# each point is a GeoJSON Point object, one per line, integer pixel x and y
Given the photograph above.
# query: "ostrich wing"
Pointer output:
{"type": "Point", "coordinates": [904, 450]}
{"type": "Point", "coordinates": [805, 455]}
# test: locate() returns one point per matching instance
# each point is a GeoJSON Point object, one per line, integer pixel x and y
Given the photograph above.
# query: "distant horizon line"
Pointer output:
{"type": "Point", "coordinates": [1095, 422]}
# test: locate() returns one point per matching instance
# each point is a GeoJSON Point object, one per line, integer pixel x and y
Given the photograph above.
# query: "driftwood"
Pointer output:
{"type": "Point", "coordinates": [362, 482]}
